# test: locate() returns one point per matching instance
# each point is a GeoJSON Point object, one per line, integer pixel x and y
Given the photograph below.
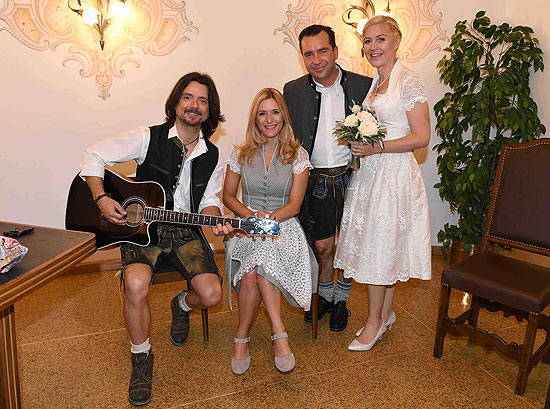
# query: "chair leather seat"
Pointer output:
{"type": "Point", "coordinates": [505, 280]}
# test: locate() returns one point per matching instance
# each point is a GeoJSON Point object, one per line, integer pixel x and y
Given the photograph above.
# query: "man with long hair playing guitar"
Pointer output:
{"type": "Point", "coordinates": [179, 156]}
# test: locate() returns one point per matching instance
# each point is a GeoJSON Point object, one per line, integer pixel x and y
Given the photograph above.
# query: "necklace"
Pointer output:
{"type": "Point", "coordinates": [379, 85]}
{"type": "Point", "coordinates": [185, 150]}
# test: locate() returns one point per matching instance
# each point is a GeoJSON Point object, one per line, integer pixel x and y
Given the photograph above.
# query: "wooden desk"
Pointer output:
{"type": "Point", "coordinates": [51, 253]}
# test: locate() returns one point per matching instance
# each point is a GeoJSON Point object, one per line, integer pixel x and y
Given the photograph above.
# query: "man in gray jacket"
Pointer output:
{"type": "Point", "coordinates": [315, 102]}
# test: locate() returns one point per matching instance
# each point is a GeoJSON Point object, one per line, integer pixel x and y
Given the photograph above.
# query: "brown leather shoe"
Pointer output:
{"type": "Point", "coordinates": [179, 329]}
{"type": "Point", "coordinates": [140, 390]}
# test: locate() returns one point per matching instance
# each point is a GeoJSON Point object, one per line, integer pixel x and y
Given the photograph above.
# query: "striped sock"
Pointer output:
{"type": "Point", "coordinates": [341, 293]}
{"type": "Point", "coordinates": [326, 290]}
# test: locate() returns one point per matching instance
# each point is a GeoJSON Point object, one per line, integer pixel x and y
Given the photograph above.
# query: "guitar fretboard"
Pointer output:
{"type": "Point", "coordinates": [152, 214]}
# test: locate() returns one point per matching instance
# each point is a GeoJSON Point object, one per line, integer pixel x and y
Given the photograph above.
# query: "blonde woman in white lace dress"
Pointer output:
{"type": "Point", "coordinates": [273, 170]}
{"type": "Point", "coordinates": [385, 234]}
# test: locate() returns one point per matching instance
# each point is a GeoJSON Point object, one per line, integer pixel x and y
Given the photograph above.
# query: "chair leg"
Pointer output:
{"type": "Point", "coordinates": [204, 313]}
{"type": "Point", "coordinates": [546, 357]}
{"type": "Point", "coordinates": [526, 353]}
{"type": "Point", "coordinates": [441, 330]}
{"type": "Point", "coordinates": [474, 306]}
{"type": "Point", "coordinates": [314, 314]}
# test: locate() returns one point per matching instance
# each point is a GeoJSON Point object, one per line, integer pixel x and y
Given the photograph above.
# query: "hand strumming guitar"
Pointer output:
{"type": "Point", "coordinates": [112, 210]}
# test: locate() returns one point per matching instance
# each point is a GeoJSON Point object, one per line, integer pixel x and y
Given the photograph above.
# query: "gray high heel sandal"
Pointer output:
{"type": "Point", "coordinates": [240, 366]}
{"type": "Point", "coordinates": [283, 363]}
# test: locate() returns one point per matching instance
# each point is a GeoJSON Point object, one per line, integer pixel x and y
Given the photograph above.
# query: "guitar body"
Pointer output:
{"type": "Point", "coordinates": [145, 204]}
{"type": "Point", "coordinates": [83, 214]}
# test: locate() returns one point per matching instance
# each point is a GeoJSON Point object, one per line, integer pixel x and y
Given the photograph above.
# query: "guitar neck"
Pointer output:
{"type": "Point", "coordinates": [152, 214]}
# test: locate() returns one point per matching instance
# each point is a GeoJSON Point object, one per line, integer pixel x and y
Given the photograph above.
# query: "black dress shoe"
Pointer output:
{"type": "Point", "coordinates": [324, 307]}
{"type": "Point", "coordinates": [179, 329]}
{"type": "Point", "coordinates": [339, 316]}
{"type": "Point", "coordinates": [140, 390]}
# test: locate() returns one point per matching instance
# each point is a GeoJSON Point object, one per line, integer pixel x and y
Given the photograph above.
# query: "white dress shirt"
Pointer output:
{"type": "Point", "coordinates": [327, 152]}
{"type": "Point", "coordinates": [133, 145]}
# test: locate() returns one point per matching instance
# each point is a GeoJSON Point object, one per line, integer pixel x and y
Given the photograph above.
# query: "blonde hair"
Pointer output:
{"type": "Point", "coordinates": [391, 23]}
{"type": "Point", "coordinates": [288, 146]}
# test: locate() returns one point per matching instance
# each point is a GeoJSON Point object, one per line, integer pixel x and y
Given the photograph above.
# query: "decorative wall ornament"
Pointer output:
{"type": "Point", "coordinates": [155, 27]}
{"type": "Point", "coordinates": [421, 29]}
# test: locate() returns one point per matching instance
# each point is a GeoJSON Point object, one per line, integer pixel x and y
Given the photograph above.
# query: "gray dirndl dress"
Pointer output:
{"type": "Point", "coordinates": [286, 261]}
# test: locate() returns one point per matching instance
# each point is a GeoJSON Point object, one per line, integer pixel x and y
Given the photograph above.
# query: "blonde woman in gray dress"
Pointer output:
{"type": "Point", "coordinates": [273, 170]}
{"type": "Point", "coordinates": [385, 234]}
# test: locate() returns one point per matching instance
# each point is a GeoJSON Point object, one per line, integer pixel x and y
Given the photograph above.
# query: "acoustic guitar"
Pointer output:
{"type": "Point", "coordinates": [145, 203]}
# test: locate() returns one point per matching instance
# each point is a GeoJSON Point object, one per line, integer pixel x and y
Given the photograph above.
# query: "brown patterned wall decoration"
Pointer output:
{"type": "Point", "coordinates": [155, 27]}
{"type": "Point", "coordinates": [420, 26]}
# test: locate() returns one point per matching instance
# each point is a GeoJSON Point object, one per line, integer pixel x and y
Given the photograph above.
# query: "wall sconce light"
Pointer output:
{"type": "Point", "coordinates": [368, 12]}
{"type": "Point", "coordinates": [101, 17]}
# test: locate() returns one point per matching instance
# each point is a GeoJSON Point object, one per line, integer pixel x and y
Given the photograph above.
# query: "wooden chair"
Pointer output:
{"type": "Point", "coordinates": [518, 217]}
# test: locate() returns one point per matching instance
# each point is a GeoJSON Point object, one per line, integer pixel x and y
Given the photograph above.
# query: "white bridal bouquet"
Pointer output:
{"type": "Point", "coordinates": [360, 126]}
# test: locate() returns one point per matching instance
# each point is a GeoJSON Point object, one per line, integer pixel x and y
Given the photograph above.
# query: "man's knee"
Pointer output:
{"type": "Point", "coordinates": [136, 285]}
{"type": "Point", "coordinates": [324, 248]}
{"type": "Point", "coordinates": [209, 292]}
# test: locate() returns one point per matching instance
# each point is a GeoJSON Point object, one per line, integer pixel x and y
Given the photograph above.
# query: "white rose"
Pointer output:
{"type": "Point", "coordinates": [365, 116]}
{"type": "Point", "coordinates": [355, 109]}
{"type": "Point", "coordinates": [351, 120]}
{"type": "Point", "coordinates": [368, 128]}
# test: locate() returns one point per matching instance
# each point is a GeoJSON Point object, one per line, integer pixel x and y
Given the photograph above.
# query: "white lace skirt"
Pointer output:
{"type": "Point", "coordinates": [287, 261]}
{"type": "Point", "coordinates": [385, 231]}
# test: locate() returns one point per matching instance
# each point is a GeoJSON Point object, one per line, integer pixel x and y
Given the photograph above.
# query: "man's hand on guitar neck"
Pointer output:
{"type": "Point", "coordinates": [112, 210]}
{"type": "Point", "coordinates": [219, 230]}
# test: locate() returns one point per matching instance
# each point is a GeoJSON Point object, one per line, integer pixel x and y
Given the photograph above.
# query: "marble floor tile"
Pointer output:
{"type": "Point", "coordinates": [74, 353]}
{"type": "Point", "coordinates": [69, 306]}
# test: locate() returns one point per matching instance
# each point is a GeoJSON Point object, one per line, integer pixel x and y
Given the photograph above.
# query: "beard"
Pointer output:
{"type": "Point", "coordinates": [191, 123]}
{"type": "Point", "coordinates": [194, 120]}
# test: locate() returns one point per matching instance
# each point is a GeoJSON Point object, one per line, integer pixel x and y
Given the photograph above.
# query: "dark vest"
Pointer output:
{"type": "Point", "coordinates": [304, 103]}
{"type": "Point", "coordinates": [164, 162]}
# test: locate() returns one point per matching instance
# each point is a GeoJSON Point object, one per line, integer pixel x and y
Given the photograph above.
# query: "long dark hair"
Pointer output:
{"type": "Point", "coordinates": [214, 117]}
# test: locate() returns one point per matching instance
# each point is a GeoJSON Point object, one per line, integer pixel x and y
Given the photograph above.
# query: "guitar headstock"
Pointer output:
{"type": "Point", "coordinates": [257, 226]}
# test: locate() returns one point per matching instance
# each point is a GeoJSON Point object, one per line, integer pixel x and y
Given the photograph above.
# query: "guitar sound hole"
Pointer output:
{"type": "Point", "coordinates": [135, 214]}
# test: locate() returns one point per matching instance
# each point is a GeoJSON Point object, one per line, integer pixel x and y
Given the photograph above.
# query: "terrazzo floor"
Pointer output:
{"type": "Point", "coordinates": [74, 353]}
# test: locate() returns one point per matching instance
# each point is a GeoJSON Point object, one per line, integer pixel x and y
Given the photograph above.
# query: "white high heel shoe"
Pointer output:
{"type": "Point", "coordinates": [357, 346]}
{"type": "Point", "coordinates": [388, 323]}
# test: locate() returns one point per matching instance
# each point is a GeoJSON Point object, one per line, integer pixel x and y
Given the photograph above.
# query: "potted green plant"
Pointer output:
{"type": "Point", "coordinates": [487, 69]}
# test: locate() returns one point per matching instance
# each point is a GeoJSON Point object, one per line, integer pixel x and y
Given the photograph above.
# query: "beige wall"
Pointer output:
{"type": "Point", "coordinates": [50, 113]}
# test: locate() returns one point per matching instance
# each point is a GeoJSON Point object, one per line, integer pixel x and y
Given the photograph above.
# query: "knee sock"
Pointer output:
{"type": "Point", "coordinates": [341, 293]}
{"type": "Point", "coordinates": [326, 290]}
{"type": "Point", "coordinates": [141, 348]}
{"type": "Point", "coordinates": [183, 304]}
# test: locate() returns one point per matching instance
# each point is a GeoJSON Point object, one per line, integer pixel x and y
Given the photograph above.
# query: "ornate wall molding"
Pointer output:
{"type": "Point", "coordinates": [155, 27]}
{"type": "Point", "coordinates": [420, 26]}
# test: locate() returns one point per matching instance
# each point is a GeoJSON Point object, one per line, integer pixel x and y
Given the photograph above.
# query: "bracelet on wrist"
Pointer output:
{"type": "Point", "coordinates": [101, 196]}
